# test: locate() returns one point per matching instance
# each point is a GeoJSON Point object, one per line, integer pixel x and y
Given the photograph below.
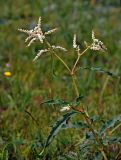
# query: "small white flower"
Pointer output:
{"type": "Point", "coordinates": [50, 31]}
{"type": "Point", "coordinates": [97, 45]}
{"type": "Point", "coordinates": [59, 47]}
{"type": "Point", "coordinates": [40, 53]}
{"type": "Point", "coordinates": [33, 35]}
{"type": "Point", "coordinates": [93, 35]}
{"type": "Point", "coordinates": [74, 42]}
{"type": "Point", "coordinates": [31, 41]}
{"type": "Point", "coordinates": [78, 49]}
{"type": "Point", "coordinates": [66, 108]}
{"type": "Point", "coordinates": [75, 46]}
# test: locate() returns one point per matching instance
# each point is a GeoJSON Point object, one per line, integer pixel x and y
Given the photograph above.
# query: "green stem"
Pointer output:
{"type": "Point", "coordinates": [60, 59]}
{"type": "Point", "coordinates": [88, 120]}
{"type": "Point", "coordinates": [75, 85]}
{"type": "Point", "coordinates": [73, 70]}
{"type": "Point", "coordinates": [79, 55]}
{"type": "Point", "coordinates": [62, 62]}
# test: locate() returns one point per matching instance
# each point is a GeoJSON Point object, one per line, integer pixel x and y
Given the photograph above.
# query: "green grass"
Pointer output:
{"type": "Point", "coordinates": [31, 83]}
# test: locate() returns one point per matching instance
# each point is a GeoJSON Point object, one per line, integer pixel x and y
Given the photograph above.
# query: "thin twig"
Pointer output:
{"type": "Point", "coordinates": [32, 117]}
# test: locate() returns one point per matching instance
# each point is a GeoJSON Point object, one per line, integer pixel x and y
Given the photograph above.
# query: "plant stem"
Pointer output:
{"type": "Point", "coordinates": [73, 70]}
{"type": "Point", "coordinates": [104, 155]}
{"type": "Point", "coordinates": [60, 59]}
{"type": "Point", "coordinates": [75, 63]}
{"type": "Point", "coordinates": [75, 86]}
{"type": "Point", "coordinates": [62, 62]}
{"type": "Point", "coordinates": [89, 122]}
{"type": "Point", "coordinates": [87, 118]}
{"type": "Point", "coordinates": [79, 55]}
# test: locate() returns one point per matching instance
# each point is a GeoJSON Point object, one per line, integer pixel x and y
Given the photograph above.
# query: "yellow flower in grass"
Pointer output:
{"type": "Point", "coordinates": [7, 74]}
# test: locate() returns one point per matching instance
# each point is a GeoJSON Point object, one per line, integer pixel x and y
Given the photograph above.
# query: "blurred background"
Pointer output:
{"type": "Point", "coordinates": [24, 84]}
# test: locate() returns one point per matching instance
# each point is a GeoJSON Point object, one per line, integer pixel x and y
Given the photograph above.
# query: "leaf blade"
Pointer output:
{"type": "Point", "coordinates": [110, 124]}
{"type": "Point", "coordinates": [98, 69]}
{"type": "Point", "coordinates": [57, 126]}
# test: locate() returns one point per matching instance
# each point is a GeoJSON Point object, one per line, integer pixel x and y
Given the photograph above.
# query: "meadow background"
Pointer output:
{"type": "Point", "coordinates": [31, 83]}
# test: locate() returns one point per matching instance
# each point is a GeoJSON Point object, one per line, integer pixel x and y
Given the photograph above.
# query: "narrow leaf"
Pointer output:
{"type": "Point", "coordinates": [57, 126]}
{"type": "Point", "coordinates": [76, 125]}
{"type": "Point", "coordinates": [110, 124]}
{"type": "Point", "coordinates": [58, 102]}
{"type": "Point", "coordinates": [63, 103]}
{"type": "Point", "coordinates": [98, 69]}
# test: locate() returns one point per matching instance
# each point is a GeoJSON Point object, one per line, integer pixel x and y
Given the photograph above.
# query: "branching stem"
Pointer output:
{"type": "Point", "coordinates": [78, 58]}
{"type": "Point", "coordinates": [60, 59]}
{"type": "Point", "coordinates": [62, 62]}
{"type": "Point", "coordinates": [82, 111]}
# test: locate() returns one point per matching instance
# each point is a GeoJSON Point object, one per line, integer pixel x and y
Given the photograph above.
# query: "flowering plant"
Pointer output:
{"type": "Point", "coordinates": [97, 138]}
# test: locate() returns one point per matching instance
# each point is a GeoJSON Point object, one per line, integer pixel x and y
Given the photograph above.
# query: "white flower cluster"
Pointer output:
{"type": "Point", "coordinates": [46, 50]}
{"type": "Point", "coordinates": [59, 47]}
{"type": "Point", "coordinates": [36, 33]}
{"type": "Point", "coordinates": [97, 45]}
{"type": "Point", "coordinates": [66, 108]}
{"type": "Point", "coordinates": [40, 53]}
{"type": "Point", "coordinates": [75, 46]}
{"type": "Point", "coordinates": [74, 41]}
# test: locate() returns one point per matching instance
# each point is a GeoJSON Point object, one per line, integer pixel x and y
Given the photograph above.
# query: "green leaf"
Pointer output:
{"type": "Point", "coordinates": [79, 99]}
{"type": "Point", "coordinates": [112, 140]}
{"type": "Point", "coordinates": [96, 118]}
{"type": "Point", "coordinates": [57, 126]}
{"type": "Point", "coordinates": [76, 125]}
{"type": "Point", "coordinates": [4, 154]}
{"type": "Point", "coordinates": [110, 124]}
{"type": "Point", "coordinates": [58, 102]}
{"type": "Point", "coordinates": [90, 136]}
{"type": "Point", "coordinates": [62, 103]}
{"type": "Point", "coordinates": [98, 69]}
{"type": "Point", "coordinates": [98, 156]}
